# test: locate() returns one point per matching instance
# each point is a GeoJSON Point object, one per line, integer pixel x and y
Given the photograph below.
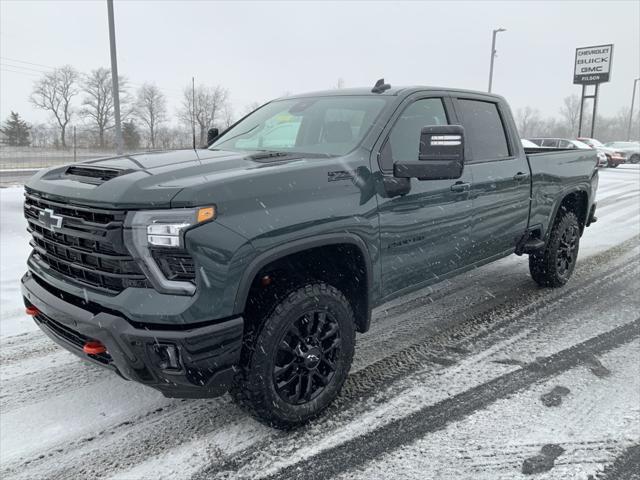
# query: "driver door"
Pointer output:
{"type": "Point", "coordinates": [427, 232]}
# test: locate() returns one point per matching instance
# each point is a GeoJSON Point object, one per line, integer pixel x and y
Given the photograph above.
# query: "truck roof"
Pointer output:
{"type": "Point", "coordinates": [393, 91]}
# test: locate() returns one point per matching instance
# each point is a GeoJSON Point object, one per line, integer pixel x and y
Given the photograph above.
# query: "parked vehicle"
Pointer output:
{"type": "Point", "coordinates": [527, 143]}
{"type": "Point", "coordinates": [603, 161]}
{"type": "Point", "coordinates": [630, 150]}
{"type": "Point", "coordinates": [614, 157]}
{"type": "Point", "coordinates": [251, 270]}
{"type": "Point", "coordinates": [564, 143]}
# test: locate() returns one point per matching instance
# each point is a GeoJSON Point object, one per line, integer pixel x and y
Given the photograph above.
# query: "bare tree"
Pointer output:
{"type": "Point", "coordinates": [528, 120]}
{"type": "Point", "coordinates": [53, 92]}
{"type": "Point", "coordinates": [97, 104]}
{"type": "Point", "coordinates": [205, 107]}
{"type": "Point", "coordinates": [151, 109]}
{"type": "Point", "coordinates": [570, 112]}
{"type": "Point", "coordinates": [228, 115]}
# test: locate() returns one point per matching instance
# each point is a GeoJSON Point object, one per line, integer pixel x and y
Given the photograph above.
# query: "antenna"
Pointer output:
{"type": "Point", "coordinates": [380, 86]}
{"type": "Point", "coordinates": [193, 110]}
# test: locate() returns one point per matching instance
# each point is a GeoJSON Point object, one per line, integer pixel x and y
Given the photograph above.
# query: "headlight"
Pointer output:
{"type": "Point", "coordinates": [165, 229]}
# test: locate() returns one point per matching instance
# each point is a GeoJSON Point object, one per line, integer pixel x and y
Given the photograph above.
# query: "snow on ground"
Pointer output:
{"type": "Point", "coordinates": [84, 422]}
{"type": "Point", "coordinates": [591, 424]}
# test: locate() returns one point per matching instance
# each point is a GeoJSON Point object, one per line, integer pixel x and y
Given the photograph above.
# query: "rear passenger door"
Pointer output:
{"type": "Point", "coordinates": [501, 184]}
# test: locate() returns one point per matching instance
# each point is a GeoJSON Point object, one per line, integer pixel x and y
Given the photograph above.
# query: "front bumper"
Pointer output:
{"type": "Point", "coordinates": [207, 355]}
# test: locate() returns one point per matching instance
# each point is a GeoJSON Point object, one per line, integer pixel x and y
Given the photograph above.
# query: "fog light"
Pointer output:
{"type": "Point", "coordinates": [169, 357]}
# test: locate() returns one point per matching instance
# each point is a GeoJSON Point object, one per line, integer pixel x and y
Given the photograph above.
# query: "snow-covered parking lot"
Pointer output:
{"type": "Point", "coordinates": [485, 376]}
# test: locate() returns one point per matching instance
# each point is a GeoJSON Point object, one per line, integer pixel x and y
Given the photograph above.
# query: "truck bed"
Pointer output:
{"type": "Point", "coordinates": [555, 172]}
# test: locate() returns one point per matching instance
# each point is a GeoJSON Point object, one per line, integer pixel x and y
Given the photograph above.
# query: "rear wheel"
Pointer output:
{"type": "Point", "coordinates": [553, 266]}
{"type": "Point", "coordinates": [298, 361]}
{"type": "Point", "coordinates": [635, 158]}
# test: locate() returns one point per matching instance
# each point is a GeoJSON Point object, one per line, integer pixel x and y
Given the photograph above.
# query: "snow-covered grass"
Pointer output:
{"type": "Point", "coordinates": [14, 250]}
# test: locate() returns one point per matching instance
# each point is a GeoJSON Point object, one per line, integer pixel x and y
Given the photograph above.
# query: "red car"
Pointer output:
{"type": "Point", "coordinates": [614, 157]}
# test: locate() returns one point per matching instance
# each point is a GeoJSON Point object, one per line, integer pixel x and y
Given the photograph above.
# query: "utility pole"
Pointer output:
{"type": "Point", "coordinates": [193, 110]}
{"type": "Point", "coordinates": [493, 54]}
{"type": "Point", "coordinates": [114, 79]}
{"type": "Point", "coordinates": [633, 101]}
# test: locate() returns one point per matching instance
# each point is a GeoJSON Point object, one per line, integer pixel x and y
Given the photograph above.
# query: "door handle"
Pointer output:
{"type": "Point", "coordinates": [520, 176]}
{"type": "Point", "coordinates": [460, 187]}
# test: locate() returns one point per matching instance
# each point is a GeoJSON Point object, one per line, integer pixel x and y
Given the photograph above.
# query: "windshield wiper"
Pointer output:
{"type": "Point", "coordinates": [267, 154]}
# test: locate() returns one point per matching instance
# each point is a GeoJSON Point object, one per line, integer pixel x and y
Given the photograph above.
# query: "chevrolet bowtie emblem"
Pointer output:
{"type": "Point", "coordinates": [49, 219]}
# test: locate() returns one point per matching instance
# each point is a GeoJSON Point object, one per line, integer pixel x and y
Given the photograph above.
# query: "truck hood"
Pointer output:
{"type": "Point", "coordinates": [148, 180]}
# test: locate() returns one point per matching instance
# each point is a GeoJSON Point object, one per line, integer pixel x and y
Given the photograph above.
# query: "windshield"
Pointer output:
{"type": "Point", "coordinates": [317, 125]}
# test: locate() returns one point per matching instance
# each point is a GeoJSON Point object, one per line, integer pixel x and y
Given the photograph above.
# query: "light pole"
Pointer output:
{"type": "Point", "coordinates": [633, 101]}
{"type": "Point", "coordinates": [493, 54]}
{"type": "Point", "coordinates": [114, 78]}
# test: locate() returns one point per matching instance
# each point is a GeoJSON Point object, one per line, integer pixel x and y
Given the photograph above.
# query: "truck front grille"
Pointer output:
{"type": "Point", "coordinates": [81, 243]}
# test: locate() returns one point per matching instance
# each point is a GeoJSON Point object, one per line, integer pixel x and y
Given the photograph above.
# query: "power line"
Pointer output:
{"type": "Point", "coordinates": [28, 63]}
{"type": "Point", "coordinates": [16, 71]}
{"type": "Point", "coordinates": [135, 84]}
{"type": "Point", "coordinates": [22, 68]}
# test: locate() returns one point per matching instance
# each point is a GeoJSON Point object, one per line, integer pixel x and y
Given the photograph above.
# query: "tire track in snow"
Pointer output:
{"type": "Point", "coordinates": [373, 445]}
{"type": "Point", "coordinates": [439, 352]}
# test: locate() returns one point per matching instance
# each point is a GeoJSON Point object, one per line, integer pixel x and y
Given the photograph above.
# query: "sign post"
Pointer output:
{"type": "Point", "coordinates": [592, 67]}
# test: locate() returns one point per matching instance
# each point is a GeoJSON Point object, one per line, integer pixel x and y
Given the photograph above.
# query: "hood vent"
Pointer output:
{"type": "Point", "coordinates": [95, 175]}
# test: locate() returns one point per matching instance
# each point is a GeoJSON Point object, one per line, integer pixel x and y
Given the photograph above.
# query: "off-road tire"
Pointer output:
{"type": "Point", "coordinates": [553, 266]}
{"type": "Point", "coordinates": [255, 386]}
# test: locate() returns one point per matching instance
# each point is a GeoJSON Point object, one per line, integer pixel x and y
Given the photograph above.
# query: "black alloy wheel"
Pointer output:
{"type": "Point", "coordinates": [306, 358]}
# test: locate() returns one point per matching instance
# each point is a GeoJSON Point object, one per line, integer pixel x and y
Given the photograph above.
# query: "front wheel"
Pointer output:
{"type": "Point", "coordinates": [299, 359]}
{"type": "Point", "coordinates": [634, 158]}
{"type": "Point", "coordinates": [553, 266]}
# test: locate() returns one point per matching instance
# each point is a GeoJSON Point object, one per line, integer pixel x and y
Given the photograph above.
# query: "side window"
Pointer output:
{"type": "Point", "coordinates": [403, 142]}
{"type": "Point", "coordinates": [550, 142]}
{"type": "Point", "coordinates": [483, 129]}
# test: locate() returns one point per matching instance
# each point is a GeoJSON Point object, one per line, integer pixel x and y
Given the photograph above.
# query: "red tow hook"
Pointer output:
{"type": "Point", "coordinates": [94, 347]}
{"type": "Point", "coordinates": [31, 311]}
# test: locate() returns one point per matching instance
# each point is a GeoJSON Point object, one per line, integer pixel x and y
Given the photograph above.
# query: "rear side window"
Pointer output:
{"type": "Point", "coordinates": [484, 130]}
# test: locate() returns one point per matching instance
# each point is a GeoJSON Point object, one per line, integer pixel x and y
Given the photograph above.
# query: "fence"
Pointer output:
{"type": "Point", "coordinates": [45, 151]}
{"type": "Point", "coordinates": [34, 158]}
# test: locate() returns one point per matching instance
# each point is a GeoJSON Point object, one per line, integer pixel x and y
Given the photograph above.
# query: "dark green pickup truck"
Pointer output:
{"type": "Point", "coordinates": [250, 266]}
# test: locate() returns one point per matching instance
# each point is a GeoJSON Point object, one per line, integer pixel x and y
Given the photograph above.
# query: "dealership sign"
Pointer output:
{"type": "Point", "coordinates": [593, 64]}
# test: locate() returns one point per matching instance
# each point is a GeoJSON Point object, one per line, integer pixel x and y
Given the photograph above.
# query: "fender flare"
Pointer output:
{"type": "Point", "coordinates": [298, 246]}
{"type": "Point", "coordinates": [574, 189]}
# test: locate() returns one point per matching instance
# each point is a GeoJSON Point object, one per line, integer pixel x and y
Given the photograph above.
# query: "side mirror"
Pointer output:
{"type": "Point", "coordinates": [441, 155]}
{"type": "Point", "coordinates": [212, 134]}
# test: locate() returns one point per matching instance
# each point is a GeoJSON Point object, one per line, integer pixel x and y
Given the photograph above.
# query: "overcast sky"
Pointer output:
{"type": "Point", "coordinates": [260, 50]}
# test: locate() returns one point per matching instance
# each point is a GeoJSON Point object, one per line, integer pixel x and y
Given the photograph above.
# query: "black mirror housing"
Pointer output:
{"type": "Point", "coordinates": [441, 155]}
{"type": "Point", "coordinates": [212, 134]}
